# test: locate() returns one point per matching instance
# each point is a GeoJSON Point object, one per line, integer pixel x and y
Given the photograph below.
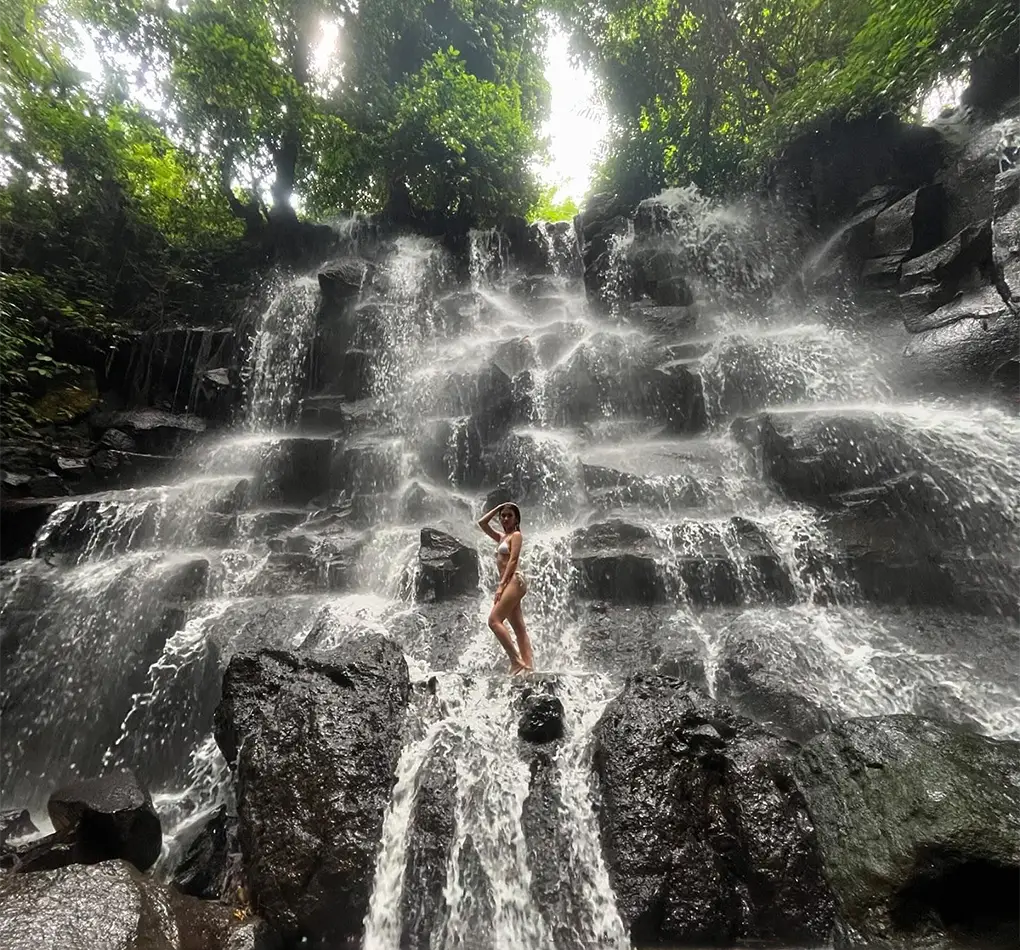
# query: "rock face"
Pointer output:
{"type": "Point", "coordinates": [209, 866]}
{"type": "Point", "coordinates": [110, 907]}
{"type": "Point", "coordinates": [918, 824]}
{"type": "Point", "coordinates": [315, 741]}
{"type": "Point", "coordinates": [446, 567]}
{"type": "Point", "coordinates": [109, 817]}
{"type": "Point", "coordinates": [707, 839]}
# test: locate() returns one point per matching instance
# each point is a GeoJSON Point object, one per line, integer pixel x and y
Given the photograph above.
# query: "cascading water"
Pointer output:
{"type": "Point", "coordinates": [652, 536]}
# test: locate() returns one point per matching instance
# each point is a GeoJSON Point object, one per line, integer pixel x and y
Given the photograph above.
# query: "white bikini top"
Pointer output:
{"type": "Point", "coordinates": [504, 546]}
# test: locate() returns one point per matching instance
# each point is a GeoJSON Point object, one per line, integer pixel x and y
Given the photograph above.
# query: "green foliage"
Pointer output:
{"type": "Point", "coordinates": [547, 208]}
{"type": "Point", "coordinates": [703, 90]}
{"type": "Point", "coordinates": [460, 144]}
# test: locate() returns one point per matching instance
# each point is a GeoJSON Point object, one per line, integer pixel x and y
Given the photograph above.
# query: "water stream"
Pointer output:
{"type": "Point", "coordinates": [134, 600]}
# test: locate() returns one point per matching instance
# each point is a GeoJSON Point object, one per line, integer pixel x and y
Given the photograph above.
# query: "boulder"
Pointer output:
{"type": "Point", "coordinates": [314, 740]}
{"type": "Point", "coordinates": [967, 250]}
{"type": "Point", "coordinates": [844, 460]}
{"type": "Point", "coordinates": [451, 450]}
{"type": "Point", "coordinates": [676, 395]}
{"type": "Point", "coordinates": [758, 685]}
{"type": "Point", "coordinates": [912, 226]}
{"type": "Point", "coordinates": [430, 835]}
{"type": "Point", "coordinates": [541, 717]}
{"type": "Point", "coordinates": [1006, 233]}
{"type": "Point", "coordinates": [706, 837]}
{"type": "Point", "coordinates": [112, 907]}
{"type": "Point", "coordinates": [970, 352]}
{"type": "Point", "coordinates": [355, 376]}
{"type": "Point", "coordinates": [153, 430]}
{"type": "Point", "coordinates": [918, 824]}
{"type": "Point", "coordinates": [109, 817]}
{"type": "Point", "coordinates": [446, 566]}
{"type": "Point", "coordinates": [343, 279]}
{"type": "Point", "coordinates": [211, 865]}
{"type": "Point", "coordinates": [16, 823]}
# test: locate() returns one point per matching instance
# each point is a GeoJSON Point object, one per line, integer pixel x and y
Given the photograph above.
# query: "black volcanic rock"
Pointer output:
{"type": "Point", "coordinates": [706, 837]}
{"type": "Point", "coordinates": [315, 740]}
{"type": "Point", "coordinates": [1006, 233]}
{"type": "Point", "coordinates": [108, 817]}
{"type": "Point", "coordinates": [541, 718]}
{"type": "Point", "coordinates": [113, 907]}
{"type": "Point", "coordinates": [208, 864]}
{"type": "Point", "coordinates": [446, 566]}
{"type": "Point", "coordinates": [918, 824]}
{"type": "Point", "coordinates": [430, 834]}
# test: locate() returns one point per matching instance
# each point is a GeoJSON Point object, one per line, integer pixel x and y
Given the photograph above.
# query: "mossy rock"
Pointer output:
{"type": "Point", "coordinates": [69, 398]}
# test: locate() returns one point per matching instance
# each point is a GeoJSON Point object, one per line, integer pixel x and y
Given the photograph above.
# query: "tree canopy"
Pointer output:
{"type": "Point", "coordinates": [142, 140]}
{"type": "Point", "coordinates": [702, 90]}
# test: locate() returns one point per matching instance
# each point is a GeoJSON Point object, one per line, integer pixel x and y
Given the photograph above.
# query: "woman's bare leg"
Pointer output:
{"type": "Point", "coordinates": [516, 619]}
{"type": "Point", "coordinates": [500, 611]}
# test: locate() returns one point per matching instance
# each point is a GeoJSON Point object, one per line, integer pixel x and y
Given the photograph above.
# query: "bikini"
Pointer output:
{"type": "Point", "coordinates": [504, 548]}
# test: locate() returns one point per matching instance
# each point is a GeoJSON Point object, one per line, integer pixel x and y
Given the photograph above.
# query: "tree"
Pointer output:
{"type": "Point", "coordinates": [702, 90]}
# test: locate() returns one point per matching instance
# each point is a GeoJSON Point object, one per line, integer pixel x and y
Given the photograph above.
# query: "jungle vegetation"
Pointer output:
{"type": "Point", "coordinates": [143, 141]}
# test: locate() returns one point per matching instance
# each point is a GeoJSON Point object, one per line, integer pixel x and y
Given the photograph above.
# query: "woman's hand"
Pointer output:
{"type": "Point", "coordinates": [499, 593]}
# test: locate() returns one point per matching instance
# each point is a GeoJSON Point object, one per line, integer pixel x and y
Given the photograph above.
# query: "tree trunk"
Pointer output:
{"type": "Point", "coordinates": [249, 211]}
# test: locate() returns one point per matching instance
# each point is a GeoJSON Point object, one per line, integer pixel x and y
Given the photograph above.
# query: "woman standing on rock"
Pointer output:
{"type": "Point", "coordinates": [512, 587]}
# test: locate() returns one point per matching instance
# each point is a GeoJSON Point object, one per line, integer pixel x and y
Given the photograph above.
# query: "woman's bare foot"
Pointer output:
{"type": "Point", "coordinates": [517, 667]}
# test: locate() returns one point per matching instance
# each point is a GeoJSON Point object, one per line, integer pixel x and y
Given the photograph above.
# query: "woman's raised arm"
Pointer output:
{"type": "Point", "coordinates": [483, 523]}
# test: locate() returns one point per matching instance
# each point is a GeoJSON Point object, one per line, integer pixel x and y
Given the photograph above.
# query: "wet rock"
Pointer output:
{"type": "Point", "coordinates": [706, 837]}
{"type": "Point", "coordinates": [677, 397]}
{"type": "Point", "coordinates": [286, 572]}
{"type": "Point", "coordinates": [335, 415]}
{"type": "Point", "coordinates": [1006, 232]}
{"type": "Point", "coordinates": [355, 375]}
{"type": "Point", "coordinates": [343, 279]}
{"type": "Point", "coordinates": [682, 663]}
{"type": "Point", "coordinates": [315, 741]}
{"type": "Point", "coordinates": [16, 823]}
{"type": "Point", "coordinates": [170, 368]}
{"type": "Point", "coordinates": [367, 468]}
{"type": "Point", "coordinates": [430, 835]}
{"type": "Point", "coordinates": [826, 169]}
{"type": "Point", "coordinates": [109, 817]}
{"type": "Point", "coordinates": [111, 907]}
{"type": "Point", "coordinates": [967, 250]}
{"type": "Point", "coordinates": [982, 304]}
{"type": "Point", "coordinates": [666, 322]}
{"type": "Point", "coordinates": [918, 824]}
{"type": "Point", "coordinates": [555, 874]}
{"type": "Point", "coordinates": [972, 165]}
{"type": "Point", "coordinates": [423, 503]}
{"type": "Point", "coordinates": [452, 450]}
{"type": "Point", "coordinates": [842, 460]}
{"type": "Point", "coordinates": [620, 577]}
{"type": "Point", "coordinates": [210, 868]}
{"type": "Point", "coordinates": [609, 488]}
{"type": "Point", "coordinates": [910, 227]}
{"type": "Point", "coordinates": [541, 717]}
{"type": "Point", "coordinates": [969, 352]}
{"type": "Point", "coordinates": [154, 430]}
{"type": "Point", "coordinates": [749, 680]}
{"type": "Point", "coordinates": [446, 566]}
{"type": "Point", "coordinates": [486, 396]}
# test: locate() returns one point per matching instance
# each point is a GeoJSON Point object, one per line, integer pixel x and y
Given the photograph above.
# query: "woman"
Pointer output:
{"type": "Point", "coordinates": [512, 587]}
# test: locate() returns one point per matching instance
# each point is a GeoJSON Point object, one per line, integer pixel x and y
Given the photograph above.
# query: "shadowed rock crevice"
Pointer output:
{"type": "Point", "coordinates": [969, 901]}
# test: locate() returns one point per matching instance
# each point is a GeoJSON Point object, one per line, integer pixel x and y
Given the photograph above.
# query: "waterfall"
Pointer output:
{"type": "Point", "coordinates": [657, 534]}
